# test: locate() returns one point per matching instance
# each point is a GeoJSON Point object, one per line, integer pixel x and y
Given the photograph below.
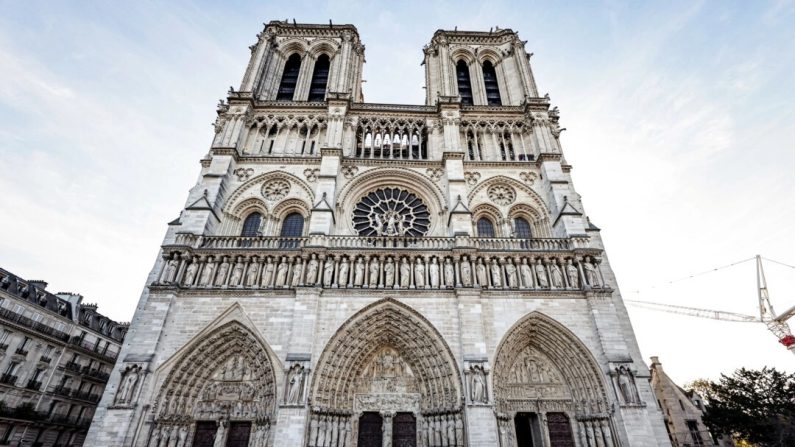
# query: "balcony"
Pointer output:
{"type": "Point", "coordinates": [3, 346]}
{"type": "Point", "coordinates": [22, 351]}
{"type": "Point", "coordinates": [85, 395]}
{"type": "Point", "coordinates": [73, 366]}
{"type": "Point", "coordinates": [45, 359]}
{"type": "Point", "coordinates": [63, 391]}
{"type": "Point", "coordinates": [8, 379]}
{"type": "Point", "coordinates": [25, 322]}
{"type": "Point", "coordinates": [559, 265]}
{"type": "Point", "coordinates": [91, 348]}
{"type": "Point", "coordinates": [34, 385]}
{"type": "Point", "coordinates": [95, 373]}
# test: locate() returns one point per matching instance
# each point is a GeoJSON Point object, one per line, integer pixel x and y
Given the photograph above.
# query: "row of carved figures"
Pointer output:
{"type": "Point", "coordinates": [330, 430]}
{"type": "Point", "coordinates": [379, 271]}
{"type": "Point", "coordinates": [592, 432]}
{"type": "Point", "coordinates": [176, 435]}
{"type": "Point", "coordinates": [442, 430]}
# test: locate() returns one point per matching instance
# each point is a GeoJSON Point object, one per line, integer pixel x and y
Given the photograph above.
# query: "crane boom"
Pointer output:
{"type": "Point", "coordinates": [696, 312]}
{"type": "Point", "coordinates": [777, 325]}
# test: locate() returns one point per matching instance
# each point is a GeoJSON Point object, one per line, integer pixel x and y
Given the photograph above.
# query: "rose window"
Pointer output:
{"type": "Point", "coordinates": [276, 189]}
{"type": "Point", "coordinates": [502, 194]}
{"type": "Point", "coordinates": [391, 212]}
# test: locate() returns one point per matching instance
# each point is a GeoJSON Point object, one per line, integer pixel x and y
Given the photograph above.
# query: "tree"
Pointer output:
{"type": "Point", "coordinates": [757, 406]}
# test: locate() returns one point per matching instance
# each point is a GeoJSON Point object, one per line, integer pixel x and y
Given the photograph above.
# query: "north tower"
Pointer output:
{"type": "Point", "coordinates": [356, 274]}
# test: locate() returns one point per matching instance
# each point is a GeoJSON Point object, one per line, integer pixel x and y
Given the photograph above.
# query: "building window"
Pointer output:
{"type": "Point", "coordinates": [695, 433]}
{"type": "Point", "coordinates": [490, 82]}
{"type": "Point", "coordinates": [485, 227]}
{"type": "Point", "coordinates": [464, 84]}
{"type": "Point", "coordinates": [317, 90]}
{"type": "Point", "coordinates": [4, 336]}
{"type": "Point", "coordinates": [293, 225]}
{"type": "Point", "coordinates": [251, 225]}
{"type": "Point", "coordinates": [391, 212]}
{"type": "Point", "coordinates": [289, 78]}
{"type": "Point", "coordinates": [522, 228]}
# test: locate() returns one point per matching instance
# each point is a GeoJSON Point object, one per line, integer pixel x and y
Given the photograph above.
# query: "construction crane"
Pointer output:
{"type": "Point", "coordinates": [777, 324]}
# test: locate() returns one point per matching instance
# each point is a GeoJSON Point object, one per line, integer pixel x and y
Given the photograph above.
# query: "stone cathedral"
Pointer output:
{"type": "Point", "coordinates": [348, 273]}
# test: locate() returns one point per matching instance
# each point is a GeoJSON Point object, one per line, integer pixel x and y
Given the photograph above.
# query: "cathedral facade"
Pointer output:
{"type": "Point", "coordinates": [348, 273]}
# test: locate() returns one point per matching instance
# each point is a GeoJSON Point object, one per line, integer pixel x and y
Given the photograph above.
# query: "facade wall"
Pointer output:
{"type": "Point", "coordinates": [307, 348]}
{"type": "Point", "coordinates": [56, 355]}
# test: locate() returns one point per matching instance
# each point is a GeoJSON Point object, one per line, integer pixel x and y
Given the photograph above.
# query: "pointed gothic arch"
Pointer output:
{"type": "Point", "coordinates": [225, 373]}
{"type": "Point", "coordinates": [386, 344]}
{"type": "Point", "coordinates": [542, 367]}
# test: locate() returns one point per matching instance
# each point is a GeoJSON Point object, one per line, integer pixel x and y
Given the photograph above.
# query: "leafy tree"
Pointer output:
{"type": "Point", "coordinates": [757, 406]}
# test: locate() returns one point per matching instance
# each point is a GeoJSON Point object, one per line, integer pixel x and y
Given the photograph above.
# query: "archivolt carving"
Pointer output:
{"type": "Point", "coordinates": [386, 347]}
{"type": "Point", "coordinates": [226, 374]}
{"type": "Point", "coordinates": [290, 205]}
{"type": "Point", "coordinates": [539, 359]}
{"type": "Point", "coordinates": [253, 188]}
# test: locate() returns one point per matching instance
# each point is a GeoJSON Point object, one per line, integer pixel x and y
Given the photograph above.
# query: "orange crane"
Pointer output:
{"type": "Point", "coordinates": [777, 324]}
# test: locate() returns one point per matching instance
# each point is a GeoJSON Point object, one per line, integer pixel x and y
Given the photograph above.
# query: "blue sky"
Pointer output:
{"type": "Point", "coordinates": [680, 119]}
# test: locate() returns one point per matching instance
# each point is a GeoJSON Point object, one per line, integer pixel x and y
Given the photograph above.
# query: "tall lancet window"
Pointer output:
{"type": "Point", "coordinates": [317, 90]}
{"type": "Point", "coordinates": [490, 82]}
{"type": "Point", "coordinates": [464, 84]}
{"type": "Point", "coordinates": [251, 225]}
{"type": "Point", "coordinates": [485, 227]}
{"type": "Point", "coordinates": [522, 228]}
{"type": "Point", "coordinates": [289, 78]}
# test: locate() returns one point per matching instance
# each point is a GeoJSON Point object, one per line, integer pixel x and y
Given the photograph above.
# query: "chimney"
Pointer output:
{"type": "Point", "coordinates": [39, 284]}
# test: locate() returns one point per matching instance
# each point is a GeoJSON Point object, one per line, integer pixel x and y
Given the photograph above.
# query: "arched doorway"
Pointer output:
{"type": "Point", "coordinates": [386, 363]}
{"type": "Point", "coordinates": [548, 388]}
{"type": "Point", "coordinates": [223, 385]}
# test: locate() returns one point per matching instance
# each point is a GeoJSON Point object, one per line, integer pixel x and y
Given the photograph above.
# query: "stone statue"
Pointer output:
{"type": "Point", "coordinates": [466, 272]}
{"type": "Point", "coordinates": [321, 431]}
{"type": "Point", "coordinates": [343, 273]}
{"type": "Point", "coordinates": [173, 437]}
{"type": "Point", "coordinates": [237, 273]}
{"type": "Point", "coordinates": [433, 272]}
{"type": "Point", "coordinates": [311, 271]}
{"type": "Point", "coordinates": [626, 385]}
{"type": "Point", "coordinates": [478, 384]}
{"type": "Point", "coordinates": [375, 269]}
{"type": "Point", "coordinates": [405, 274]}
{"type": "Point", "coordinates": [223, 269]}
{"type": "Point", "coordinates": [459, 431]}
{"type": "Point", "coordinates": [267, 275]}
{"type": "Point", "coordinates": [295, 384]}
{"type": "Point", "coordinates": [450, 430]}
{"type": "Point", "coordinates": [511, 277]}
{"type": "Point", "coordinates": [281, 272]}
{"type": "Point", "coordinates": [480, 269]}
{"type": "Point", "coordinates": [541, 273]}
{"type": "Point", "coordinates": [190, 272]}
{"type": "Point", "coordinates": [171, 271]}
{"type": "Point", "coordinates": [207, 274]}
{"type": "Point", "coordinates": [183, 435]}
{"type": "Point", "coordinates": [220, 434]}
{"type": "Point", "coordinates": [328, 272]}
{"type": "Point", "coordinates": [449, 273]}
{"type": "Point", "coordinates": [251, 276]}
{"type": "Point", "coordinates": [298, 268]}
{"type": "Point", "coordinates": [591, 275]}
{"type": "Point", "coordinates": [313, 431]}
{"type": "Point", "coordinates": [496, 273]}
{"type": "Point", "coordinates": [419, 273]}
{"type": "Point", "coordinates": [555, 273]}
{"type": "Point", "coordinates": [389, 273]}
{"type": "Point", "coordinates": [127, 387]}
{"type": "Point", "coordinates": [572, 273]}
{"type": "Point", "coordinates": [358, 273]}
{"type": "Point", "coordinates": [155, 439]}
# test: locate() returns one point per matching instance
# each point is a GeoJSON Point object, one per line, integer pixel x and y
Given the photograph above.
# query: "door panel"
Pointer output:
{"type": "Point", "coordinates": [205, 434]}
{"type": "Point", "coordinates": [238, 434]}
{"type": "Point", "coordinates": [370, 434]}
{"type": "Point", "coordinates": [404, 430]}
{"type": "Point", "coordinates": [559, 430]}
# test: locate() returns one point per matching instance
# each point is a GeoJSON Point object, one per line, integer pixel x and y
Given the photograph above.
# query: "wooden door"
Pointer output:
{"type": "Point", "coordinates": [205, 434]}
{"type": "Point", "coordinates": [559, 430]}
{"type": "Point", "coordinates": [238, 434]}
{"type": "Point", "coordinates": [404, 430]}
{"type": "Point", "coordinates": [370, 430]}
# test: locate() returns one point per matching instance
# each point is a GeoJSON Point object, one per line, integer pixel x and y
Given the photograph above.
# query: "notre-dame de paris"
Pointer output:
{"type": "Point", "coordinates": [347, 273]}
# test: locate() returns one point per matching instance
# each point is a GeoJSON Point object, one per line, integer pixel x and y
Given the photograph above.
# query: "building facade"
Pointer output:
{"type": "Point", "coordinates": [56, 355]}
{"type": "Point", "coordinates": [682, 411]}
{"type": "Point", "coordinates": [358, 274]}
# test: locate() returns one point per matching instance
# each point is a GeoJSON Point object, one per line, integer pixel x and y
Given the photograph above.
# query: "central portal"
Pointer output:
{"type": "Point", "coordinates": [371, 432]}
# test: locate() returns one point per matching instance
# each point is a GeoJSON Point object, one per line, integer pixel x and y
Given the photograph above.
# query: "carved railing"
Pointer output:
{"type": "Point", "coordinates": [550, 264]}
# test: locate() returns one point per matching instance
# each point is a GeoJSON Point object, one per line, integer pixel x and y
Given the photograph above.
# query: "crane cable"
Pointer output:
{"type": "Point", "coordinates": [637, 291]}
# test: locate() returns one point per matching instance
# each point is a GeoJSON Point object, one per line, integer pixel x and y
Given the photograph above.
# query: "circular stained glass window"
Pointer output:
{"type": "Point", "coordinates": [391, 212]}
